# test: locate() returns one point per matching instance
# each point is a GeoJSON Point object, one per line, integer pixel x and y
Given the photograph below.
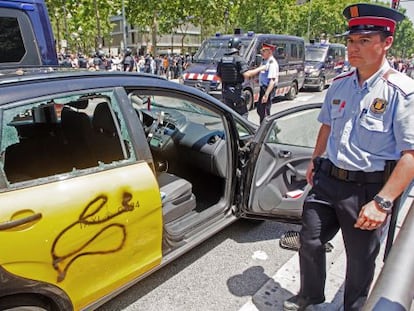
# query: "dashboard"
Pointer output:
{"type": "Point", "coordinates": [196, 139]}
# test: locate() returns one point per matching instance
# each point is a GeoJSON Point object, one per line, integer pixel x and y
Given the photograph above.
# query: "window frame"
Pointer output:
{"type": "Point", "coordinates": [32, 54]}
{"type": "Point", "coordinates": [122, 129]}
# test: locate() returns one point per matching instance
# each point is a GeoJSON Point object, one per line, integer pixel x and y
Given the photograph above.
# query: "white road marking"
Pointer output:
{"type": "Point", "coordinates": [260, 255]}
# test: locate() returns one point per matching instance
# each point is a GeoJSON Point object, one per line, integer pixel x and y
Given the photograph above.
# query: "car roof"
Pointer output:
{"type": "Point", "coordinates": [20, 74]}
{"type": "Point", "coordinates": [60, 80]}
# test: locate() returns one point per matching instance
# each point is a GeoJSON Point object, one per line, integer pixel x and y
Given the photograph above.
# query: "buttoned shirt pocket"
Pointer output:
{"type": "Point", "coordinates": [337, 113]}
{"type": "Point", "coordinates": [372, 124]}
{"type": "Point", "coordinates": [373, 133]}
{"type": "Point", "coordinates": [337, 121]}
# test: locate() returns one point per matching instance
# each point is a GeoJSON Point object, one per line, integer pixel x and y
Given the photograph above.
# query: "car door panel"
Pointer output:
{"type": "Point", "coordinates": [95, 232]}
{"type": "Point", "coordinates": [276, 176]}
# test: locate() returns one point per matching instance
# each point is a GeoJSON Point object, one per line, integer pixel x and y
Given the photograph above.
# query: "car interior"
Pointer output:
{"type": "Point", "coordinates": [189, 150]}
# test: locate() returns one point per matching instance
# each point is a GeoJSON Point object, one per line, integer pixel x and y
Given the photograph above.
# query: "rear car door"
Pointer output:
{"type": "Point", "coordinates": [274, 175]}
{"type": "Point", "coordinates": [78, 210]}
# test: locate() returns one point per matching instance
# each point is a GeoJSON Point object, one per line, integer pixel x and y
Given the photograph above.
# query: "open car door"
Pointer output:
{"type": "Point", "coordinates": [274, 170]}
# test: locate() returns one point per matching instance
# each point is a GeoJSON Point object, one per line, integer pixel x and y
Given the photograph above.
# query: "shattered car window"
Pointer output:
{"type": "Point", "coordinates": [62, 135]}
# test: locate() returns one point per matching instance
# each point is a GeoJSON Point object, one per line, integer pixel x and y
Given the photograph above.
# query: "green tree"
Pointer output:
{"type": "Point", "coordinates": [84, 24]}
{"type": "Point", "coordinates": [165, 17]}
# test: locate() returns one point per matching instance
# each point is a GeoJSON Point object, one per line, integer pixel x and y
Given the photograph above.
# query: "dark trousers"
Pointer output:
{"type": "Point", "coordinates": [263, 109]}
{"type": "Point", "coordinates": [332, 205]}
{"type": "Point", "coordinates": [233, 98]}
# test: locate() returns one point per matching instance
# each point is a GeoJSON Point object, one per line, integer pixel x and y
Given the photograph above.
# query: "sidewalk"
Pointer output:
{"type": "Point", "coordinates": [286, 281]}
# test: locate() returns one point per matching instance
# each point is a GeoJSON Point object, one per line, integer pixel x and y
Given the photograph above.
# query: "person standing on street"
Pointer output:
{"type": "Point", "coordinates": [128, 60]}
{"type": "Point", "coordinates": [367, 128]}
{"type": "Point", "coordinates": [232, 70]}
{"type": "Point", "coordinates": [268, 80]}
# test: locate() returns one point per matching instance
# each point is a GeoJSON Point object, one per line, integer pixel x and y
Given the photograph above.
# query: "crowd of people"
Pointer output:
{"type": "Point", "coordinates": [170, 66]}
{"type": "Point", "coordinates": [404, 65]}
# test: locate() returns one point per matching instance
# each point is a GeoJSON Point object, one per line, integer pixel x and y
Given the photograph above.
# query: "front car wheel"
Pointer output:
{"type": "Point", "coordinates": [293, 91]}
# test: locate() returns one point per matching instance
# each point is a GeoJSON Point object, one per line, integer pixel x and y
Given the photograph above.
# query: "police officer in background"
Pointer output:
{"type": "Point", "coordinates": [232, 70]}
{"type": "Point", "coordinates": [268, 80]}
{"type": "Point", "coordinates": [128, 61]}
{"type": "Point", "coordinates": [367, 128]}
{"type": "Point", "coordinates": [98, 60]}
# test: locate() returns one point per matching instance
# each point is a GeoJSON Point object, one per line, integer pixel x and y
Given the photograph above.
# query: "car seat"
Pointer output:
{"type": "Point", "coordinates": [177, 197]}
{"type": "Point", "coordinates": [107, 144]}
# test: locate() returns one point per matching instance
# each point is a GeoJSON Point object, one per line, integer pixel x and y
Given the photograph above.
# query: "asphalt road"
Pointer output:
{"type": "Point", "coordinates": [225, 271]}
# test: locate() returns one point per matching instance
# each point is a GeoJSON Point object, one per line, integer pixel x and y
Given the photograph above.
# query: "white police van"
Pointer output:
{"type": "Point", "coordinates": [290, 54]}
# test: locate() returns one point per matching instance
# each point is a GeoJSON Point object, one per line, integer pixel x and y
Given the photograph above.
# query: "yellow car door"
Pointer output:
{"type": "Point", "coordinates": [88, 231]}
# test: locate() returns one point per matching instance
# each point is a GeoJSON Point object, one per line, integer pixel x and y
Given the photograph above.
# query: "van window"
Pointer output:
{"type": "Point", "coordinates": [301, 52]}
{"type": "Point", "coordinates": [11, 43]}
{"type": "Point", "coordinates": [293, 51]}
{"type": "Point", "coordinates": [297, 52]}
{"type": "Point", "coordinates": [280, 52]}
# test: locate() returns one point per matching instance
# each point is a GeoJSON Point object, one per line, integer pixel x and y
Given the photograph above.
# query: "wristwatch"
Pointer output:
{"type": "Point", "coordinates": [385, 205]}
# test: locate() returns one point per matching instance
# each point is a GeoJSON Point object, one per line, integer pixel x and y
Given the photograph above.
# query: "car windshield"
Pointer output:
{"type": "Point", "coordinates": [314, 54]}
{"type": "Point", "coordinates": [163, 102]}
{"type": "Point", "coordinates": [212, 50]}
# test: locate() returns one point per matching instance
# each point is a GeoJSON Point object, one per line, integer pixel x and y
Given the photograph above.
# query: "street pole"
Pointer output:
{"type": "Point", "coordinates": [98, 26]}
{"type": "Point", "coordinates": [309, 18]}
{"type": "Point", "coordinates": [124, 36]}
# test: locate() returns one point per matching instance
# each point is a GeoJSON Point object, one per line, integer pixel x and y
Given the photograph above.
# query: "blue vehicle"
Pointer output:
{"type": "Point", "coordinates": [26, 34]}
{"type": "Point", "coordinates": [290, 54]}
{"type": "Point", "coordinates": [323, 62]}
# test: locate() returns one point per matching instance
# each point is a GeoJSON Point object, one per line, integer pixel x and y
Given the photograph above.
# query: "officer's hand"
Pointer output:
{"type": "Point", "coordinates": [309, 173]}
{"type": "Point", "coordinates": [264, 99]}
{"type": "Point", "coordinates": [370, 217]}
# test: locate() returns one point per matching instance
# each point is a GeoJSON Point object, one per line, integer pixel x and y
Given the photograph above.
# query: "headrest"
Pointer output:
{"type": "Point", "coordinates": [102, 119]}
{"type": "Point", "coordinates": [79, 104]}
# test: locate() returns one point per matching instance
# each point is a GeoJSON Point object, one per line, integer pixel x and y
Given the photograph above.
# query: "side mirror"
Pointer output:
{"type": "Point", "coordinates": [330, 59]}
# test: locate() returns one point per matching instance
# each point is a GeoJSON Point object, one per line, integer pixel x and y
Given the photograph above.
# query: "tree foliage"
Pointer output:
{"type": "Point", "coordinates": [85, 23]}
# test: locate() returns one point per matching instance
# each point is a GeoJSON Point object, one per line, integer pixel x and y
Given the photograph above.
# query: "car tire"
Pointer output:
{"type": "Point", "coordinates": [321, 85]}
{"type": "Point", "coordinates": [27, 303]}
{"type": "Point", "coordinates": [248, 97]}
{"type": "Point", "coordinates": [293, 91]}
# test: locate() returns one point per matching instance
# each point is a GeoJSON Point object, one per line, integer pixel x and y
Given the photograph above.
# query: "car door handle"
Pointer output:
{"type": "Point", "coordinates": [285, 154]}
{"type": "Point", "coordinates": [18, 222]}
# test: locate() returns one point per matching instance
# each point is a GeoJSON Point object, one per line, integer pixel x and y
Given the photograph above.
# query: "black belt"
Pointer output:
{"type": "Point", "coordinates": [352, 176]}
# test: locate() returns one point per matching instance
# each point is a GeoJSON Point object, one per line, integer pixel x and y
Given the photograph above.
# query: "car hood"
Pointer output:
{"type": "Point", "coordinates": [313, 65]}
{"type": "Point", "coordinates": [202, 68]}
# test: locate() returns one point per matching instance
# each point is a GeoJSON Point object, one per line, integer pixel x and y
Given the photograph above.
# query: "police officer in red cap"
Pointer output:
{"type": "Point", "coordinates": [268, 79]}
{"type": "Point", "coordinates": [366, 130]}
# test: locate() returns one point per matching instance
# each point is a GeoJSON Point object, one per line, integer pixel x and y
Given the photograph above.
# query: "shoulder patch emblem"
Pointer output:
{"type": "Point", "coordinates": [378, 105]}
